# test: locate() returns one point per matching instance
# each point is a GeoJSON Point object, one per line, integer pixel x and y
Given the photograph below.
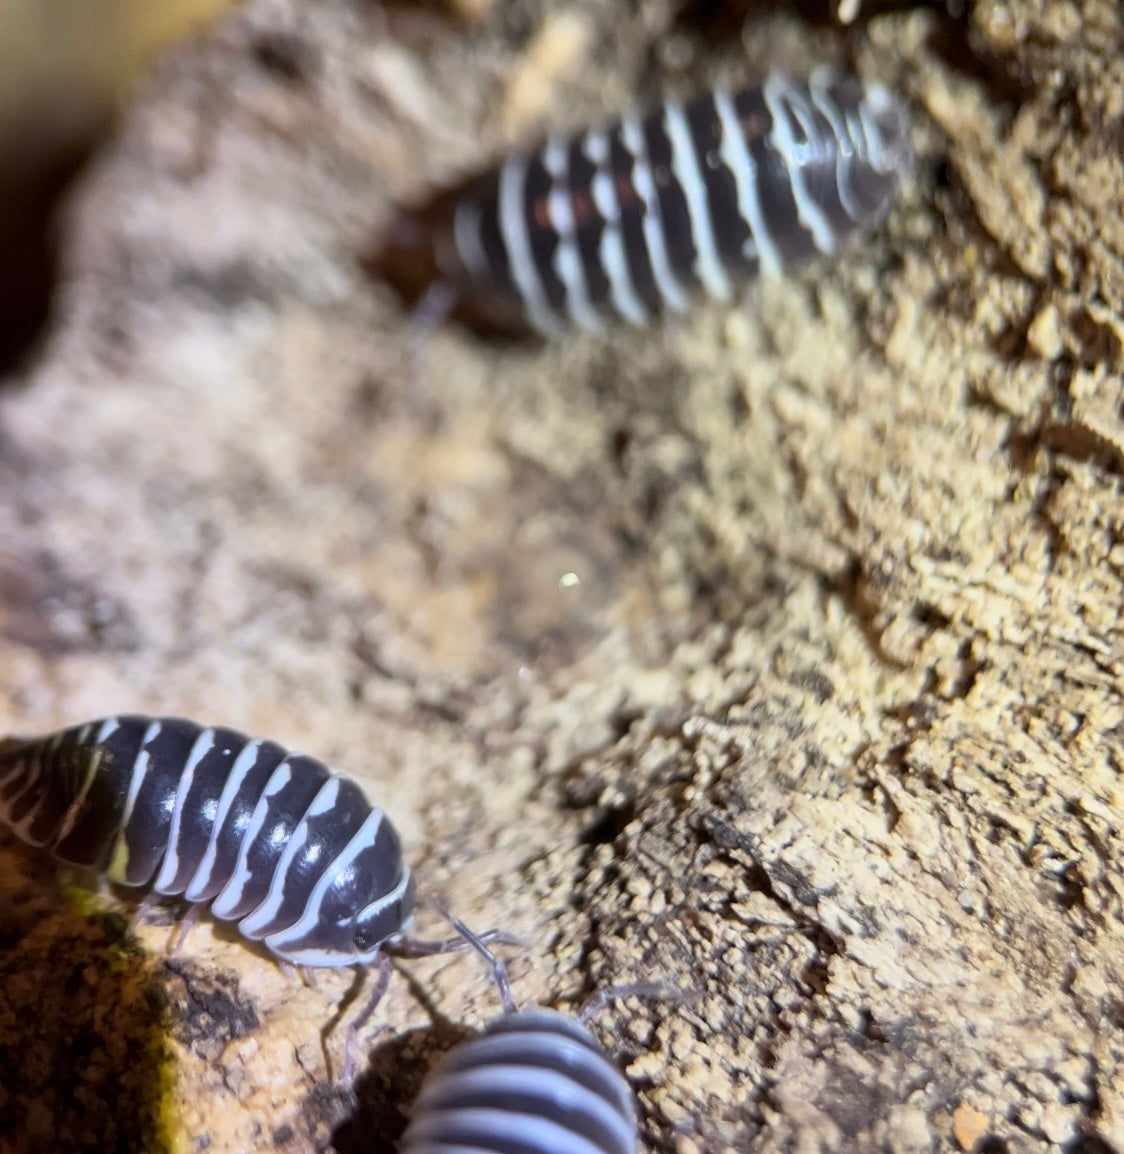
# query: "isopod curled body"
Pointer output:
{"type": "Point", "coordinates": [630, 219]}
{"type": "Point", "coordinates": [272, 840]}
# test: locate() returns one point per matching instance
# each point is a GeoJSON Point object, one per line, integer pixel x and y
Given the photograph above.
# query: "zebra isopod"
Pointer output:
{"type": "Point", "coordinates": [631, 219]}
{"type": "Point", "coordinates": [532, 1082]}
{"type": "Point", "coordinates": [272, 840]}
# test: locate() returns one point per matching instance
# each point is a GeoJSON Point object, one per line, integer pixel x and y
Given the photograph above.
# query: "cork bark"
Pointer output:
{"type": "Point", "coordinates": [773, 653]}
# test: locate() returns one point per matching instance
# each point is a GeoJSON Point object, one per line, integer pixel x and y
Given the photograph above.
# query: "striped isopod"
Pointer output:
{"type": "Point", "coordinates": [630, 219]}
{"type": "Point", "coordinates": [532, 1082]}
{"type": "Point", "coordinates": [273, 840]}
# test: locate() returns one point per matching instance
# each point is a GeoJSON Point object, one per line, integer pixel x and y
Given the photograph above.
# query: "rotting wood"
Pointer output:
{"type": "Point", "coordinates": [828, 732]}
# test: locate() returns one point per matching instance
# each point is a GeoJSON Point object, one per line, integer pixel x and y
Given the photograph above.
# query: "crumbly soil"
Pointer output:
{"type": "Point", "coordinates": [774, 653]}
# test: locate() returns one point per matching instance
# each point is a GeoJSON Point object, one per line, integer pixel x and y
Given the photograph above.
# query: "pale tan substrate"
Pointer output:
{"type": "Point", "coordinates": [829, 733]}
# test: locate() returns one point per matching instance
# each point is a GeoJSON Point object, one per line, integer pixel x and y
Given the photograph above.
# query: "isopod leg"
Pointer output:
{"type": "Point", "coordinates": [186, 924]}
{"type": "Point", "coordinates": [144, 907]}
{"type": "Point", "coordinates": [436, 304]}
{"type": "Point", "coordinates": [182, 927]}
{"type": "Point", "coordinates": [382, 965]}
{"type": "Point", "coordinates": [653, 990]}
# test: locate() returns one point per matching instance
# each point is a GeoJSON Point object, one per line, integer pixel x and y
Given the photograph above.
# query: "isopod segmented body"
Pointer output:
{"type": "Point", "coordinates": [532, 1082]}
{"type": "Point", "coordinates": [629, 219]}
{"type": "Point", "coordinates": [273, 840]}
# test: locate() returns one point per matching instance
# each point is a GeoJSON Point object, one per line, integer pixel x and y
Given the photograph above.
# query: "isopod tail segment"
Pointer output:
{"type": "Point", "coordinates": [632, 219]}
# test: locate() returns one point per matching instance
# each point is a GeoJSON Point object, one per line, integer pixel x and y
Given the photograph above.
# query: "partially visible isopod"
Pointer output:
{"type": "Point", "coordinates": [532, 1082]}
{"type": "Point", "coordinates": [630, 219]}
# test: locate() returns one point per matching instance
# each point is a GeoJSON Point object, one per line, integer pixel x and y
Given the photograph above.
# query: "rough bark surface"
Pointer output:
{"type": "Point", "coordinates": [828, 732]}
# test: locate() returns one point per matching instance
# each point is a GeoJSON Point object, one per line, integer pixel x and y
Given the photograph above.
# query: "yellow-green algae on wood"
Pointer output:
{"type": "Point", "coordinates": [83, 1025]}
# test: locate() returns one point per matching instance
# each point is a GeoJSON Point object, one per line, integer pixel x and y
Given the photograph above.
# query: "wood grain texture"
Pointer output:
{"type": "Point", "coordinates": [829, 729]}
